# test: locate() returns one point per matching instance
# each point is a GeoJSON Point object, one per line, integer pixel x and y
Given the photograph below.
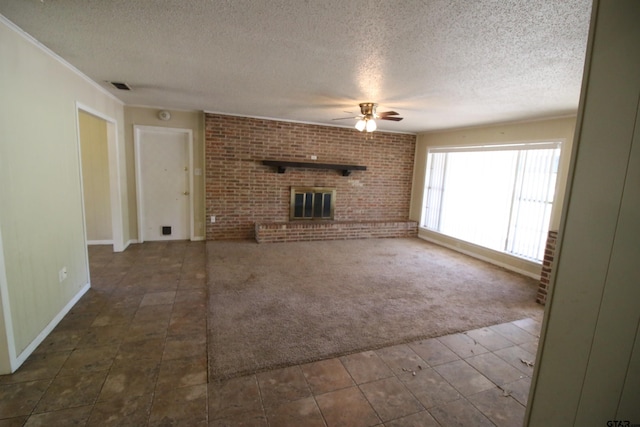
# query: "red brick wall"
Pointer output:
{"type": "Point", "coordinates": [547, 264]}
{"type": "Point", "coordinates": [240, 191]}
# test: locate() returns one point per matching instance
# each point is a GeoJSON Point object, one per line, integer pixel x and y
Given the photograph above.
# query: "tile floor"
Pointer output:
{"type": "Point", "coordinates": [132, 352]}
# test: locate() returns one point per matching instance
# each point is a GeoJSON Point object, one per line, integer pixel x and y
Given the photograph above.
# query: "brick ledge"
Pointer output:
{"type": "Point", "coordinates": [293, 231]}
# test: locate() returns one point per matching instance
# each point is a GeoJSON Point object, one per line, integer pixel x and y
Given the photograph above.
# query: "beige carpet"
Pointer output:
{"type": "Point", "coordinates": [279, 304]}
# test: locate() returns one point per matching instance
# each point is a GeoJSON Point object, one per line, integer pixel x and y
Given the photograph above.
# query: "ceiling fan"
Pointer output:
{"type": "Point", "coordinates": [367, 118]}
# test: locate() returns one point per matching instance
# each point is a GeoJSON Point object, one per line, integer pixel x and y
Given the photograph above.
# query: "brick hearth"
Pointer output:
{"type": "Point", "coordinates": [271, 232]}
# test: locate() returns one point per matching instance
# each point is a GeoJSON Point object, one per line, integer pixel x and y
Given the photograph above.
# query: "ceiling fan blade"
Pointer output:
{"type": "Point", "coordinates": [395, 119]}
{"type": "Point", "coordinates": [388, 113]}
{"type": "Point", "coordinates": [347, 118]}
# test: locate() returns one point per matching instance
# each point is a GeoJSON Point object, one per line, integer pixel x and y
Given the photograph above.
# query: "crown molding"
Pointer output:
{"type": "Point", "coordinates": [29, 38]}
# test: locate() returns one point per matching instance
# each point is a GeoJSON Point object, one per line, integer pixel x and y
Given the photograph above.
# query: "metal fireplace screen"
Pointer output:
{"type": "Point", "coordinates": [311, 203]}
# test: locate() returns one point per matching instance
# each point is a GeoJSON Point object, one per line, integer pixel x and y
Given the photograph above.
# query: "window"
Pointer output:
{"type": "Point", "coordinates": [499, 197]}
{"type": "Point", "coordinates": [312, 203]}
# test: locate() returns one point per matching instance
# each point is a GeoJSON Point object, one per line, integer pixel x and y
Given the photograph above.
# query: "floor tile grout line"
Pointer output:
{"type": "Point", "coordinates": [404, 385]}
{"type": "Point", "coordinates": [511, 364]}
{"type": "Point", "coordinates": [536, 335]}
{"type": "Point", "coordinates": [466, 397]}
{"type": "Point", "coordinates": [159, 367]}
{"type": "Point", "coordinates": [264, 409]}
{"type": "Point", "coordinates": [482, 412]}
{"type": "Point", "coordinates": [154, 391]}
{"type": "Point", "coordinates": [479, 343]}
{"type": "Point", "coordinates": [57, 375]}
{"type": "Point", "coordinates": [207, 296]}
{"type": "Point", "coordinates": [449, 347]}
{"type": "Point", "coordinates": [128, 271]}
{"type": "Point", "coordinates": [313, 395]}
{"type": "Point", "coordinates": [511, 323]}
{"type": "Point", "coordinates": [355, 383]}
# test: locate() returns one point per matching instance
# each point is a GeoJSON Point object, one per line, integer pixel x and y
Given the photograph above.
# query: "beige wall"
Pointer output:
{"type": "Point", "coordinates": [193, 120]}
{"type": "Point", "coordinates": [588, 365]}
{"type": "Point", "coordinates": [41, 205]}
{"type": "Point", "coordinates": [95, 178]}
{"type": "Point", "coordinates": [560, 129]}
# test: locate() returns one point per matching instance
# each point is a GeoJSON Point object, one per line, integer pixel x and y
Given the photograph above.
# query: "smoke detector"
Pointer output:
{"type": "Point", "coordinates": [164, 115]}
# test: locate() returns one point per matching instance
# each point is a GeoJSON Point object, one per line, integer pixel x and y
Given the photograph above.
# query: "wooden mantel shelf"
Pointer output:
{"type": "Point", "coordinates": [282, 166]}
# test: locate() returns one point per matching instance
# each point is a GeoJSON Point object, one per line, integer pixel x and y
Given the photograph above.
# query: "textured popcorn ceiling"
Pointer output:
{"type": "Point", "coordinates": [440, 63]}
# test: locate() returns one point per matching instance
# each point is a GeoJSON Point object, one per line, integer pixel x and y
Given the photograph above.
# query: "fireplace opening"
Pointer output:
{"type": "Point", "coordinates": [312, 203]}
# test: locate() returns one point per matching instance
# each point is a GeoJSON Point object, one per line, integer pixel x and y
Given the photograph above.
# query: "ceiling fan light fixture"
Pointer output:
{"type": "Point", "coordinates": [367, 120]}
{"type": "Point", "coordinates": [371, 125]}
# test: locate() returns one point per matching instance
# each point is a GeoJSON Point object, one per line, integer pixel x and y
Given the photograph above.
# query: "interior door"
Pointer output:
{"type": "Point", "coordinates": [163, 169]}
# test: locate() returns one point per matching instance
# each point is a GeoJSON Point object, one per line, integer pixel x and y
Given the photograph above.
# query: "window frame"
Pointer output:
{"type": "Point", "coordinates": [430, 193]}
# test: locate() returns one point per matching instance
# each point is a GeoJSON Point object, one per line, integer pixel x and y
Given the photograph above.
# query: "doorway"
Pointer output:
{"type": "Point", "coordinates": [95, 179]}
{"type": "Point", "coordinates": [100, 178]}
{"type": "Point", "coordinates": [164, 183]}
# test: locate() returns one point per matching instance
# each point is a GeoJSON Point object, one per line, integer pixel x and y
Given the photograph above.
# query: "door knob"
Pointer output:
{"type": "Point", "coordinates": [186, 193]}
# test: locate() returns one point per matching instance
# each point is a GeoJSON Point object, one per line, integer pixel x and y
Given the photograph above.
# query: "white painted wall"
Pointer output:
{"type": "Point", "coordinates": [560, 129]}
{"type": "Point", "coordinates": [588, 365]}
{"type": "Point", "coordinates": [41, 220]}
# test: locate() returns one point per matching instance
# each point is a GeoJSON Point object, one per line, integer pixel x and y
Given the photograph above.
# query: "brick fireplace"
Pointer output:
{"type": "Point", "coordinates": [251, 200]}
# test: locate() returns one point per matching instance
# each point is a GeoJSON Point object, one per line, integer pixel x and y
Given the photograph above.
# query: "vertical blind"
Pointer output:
{"type": "Point", "coordinates": [498, 197]}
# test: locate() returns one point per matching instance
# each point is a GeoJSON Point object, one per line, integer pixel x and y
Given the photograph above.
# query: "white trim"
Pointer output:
{"type": "Point", "coordinates": [197, 239]}
{"type": "Point", "coordinates": [507, 146]}
{"type": "Point", "coordinates": [6, 312]}
{"type": "Point", "coordinates": [191, 207]}
{"type": "Point", "coordinates": [129, 242]}
{"type": "Point", "coordinates": [502, 123]}
{"type": "Point", "coordinates": [476, 255]}
{"type": "Point", "coordinates": [58, 58]}
{"type": "Point", "coordinates": [49, 328]}
{"type": "Point", "coordinates": [115, 189]}
{"type": "Point", "coordinates": [136, 163]}
{"type": "Point", "coordinates": [547, 143]}
{"type": "Point", "coordinates": [137, 130]}
{"type": "Point", "coordinates": [84, 220]}
{"type": "Point", "coordinates": [99, 242]}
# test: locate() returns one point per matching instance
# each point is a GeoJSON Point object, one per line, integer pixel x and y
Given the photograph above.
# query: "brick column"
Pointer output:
{"type": "Point", "coordinates": [545, 274]}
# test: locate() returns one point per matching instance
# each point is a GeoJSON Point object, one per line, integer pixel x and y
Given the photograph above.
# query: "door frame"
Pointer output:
{"type": "Point", "coordinates": [138, 131]}
{"type": "Point", "coordinates": [117, 233]}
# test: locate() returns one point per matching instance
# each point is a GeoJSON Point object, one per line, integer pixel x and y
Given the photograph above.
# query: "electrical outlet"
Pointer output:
{"type": "Point", "coordinates": [213, 219]}
{"type": "Point", "coordinates": [314, 157]}
{"type": "Point", "coordinates": [62, 274]}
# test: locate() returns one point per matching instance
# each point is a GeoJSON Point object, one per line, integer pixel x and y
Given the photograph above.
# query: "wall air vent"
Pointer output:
{"type": "Point", "coordinates": [120, 85]}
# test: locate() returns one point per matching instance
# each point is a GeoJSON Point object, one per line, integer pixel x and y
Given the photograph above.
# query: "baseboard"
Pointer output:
{"type": "Point", "coordinates": [19, 360]}
{"type": "Point", "coordinates": [135, 241]}
{"type": "Point", "coordinates": [99, 242]}
{"type": "Point", "coordinates": [473, 254]}
{"type": "Point", "coordinates": [130, 242]}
